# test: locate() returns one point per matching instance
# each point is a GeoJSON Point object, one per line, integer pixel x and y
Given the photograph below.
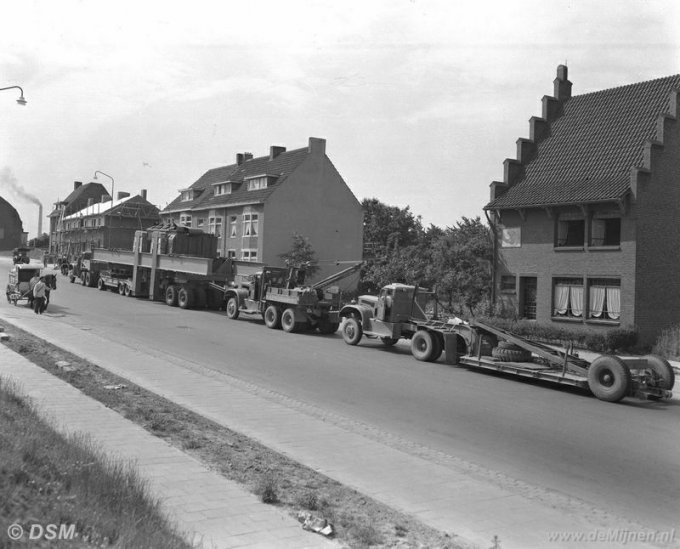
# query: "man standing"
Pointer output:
{"type": "Point", "coordinates": [39, 296]}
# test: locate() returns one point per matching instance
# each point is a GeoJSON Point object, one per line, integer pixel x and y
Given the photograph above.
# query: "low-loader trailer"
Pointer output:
{"type": "Point", "coordinates": [399, 312]}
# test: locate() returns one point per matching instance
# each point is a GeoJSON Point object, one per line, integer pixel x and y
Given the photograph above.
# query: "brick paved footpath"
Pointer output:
{"type": "Point", "coordinates": [210, 509]}
{"type": "Point", "coordinates": [441, 493]}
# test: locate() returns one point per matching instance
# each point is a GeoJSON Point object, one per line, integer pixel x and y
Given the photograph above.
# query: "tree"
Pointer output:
{"type": "Point", "coordinates": [301, 253]}
{"type": "Point", "coordinates": [389, 227]}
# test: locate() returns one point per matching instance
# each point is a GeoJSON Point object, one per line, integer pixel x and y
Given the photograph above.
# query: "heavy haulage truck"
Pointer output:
{"type": "Point", "coordinates": [399, 312]}
{"type": "Point", "coordinates": [283, 300]}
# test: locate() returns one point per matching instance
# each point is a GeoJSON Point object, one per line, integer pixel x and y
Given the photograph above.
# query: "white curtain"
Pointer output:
{"type": "Point", "coordinates": [561, 298]}
{"type": "Point", "coordinates": [561, 233]}
{"type": "Point", "coordinates": [577, 300]}
{"type": "Point", "coordinates": [597, 236]}
{"type": "Point", "coordinates": [614, 302]}
{"type": "Point", "coordinates": [597, 294]}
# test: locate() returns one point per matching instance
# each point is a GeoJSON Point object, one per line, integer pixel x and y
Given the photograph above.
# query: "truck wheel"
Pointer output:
{"type": "Point", "coordinates": [100, 285]}
{"type": "Point", "coordinates": [232, 308]}
{"type": "Point", "coordinates": [128, 290]}
{"type": "Point", "coordinates": [171, 295]}
{"type": "Point", "coordinates": [389, 341]}
{"type": "Point", "coordinates": [121, 288]}
{"type": "Point", "coordinates": [661, 371]}
{"type": "Point", "coordinates": [423, 346]}
{"type": "Point", "coordinates": [185, 298]}
{"type": "Point", "coordinates": [609, 378]}
{"type": "Point", "coordinates": [352, 331]}
{"type": "Point", "coordinates": [82, 279]}
{"type": "Point", "coordinates": [272, 317]}
{"type": "Point", "coordinates": [288, 321]}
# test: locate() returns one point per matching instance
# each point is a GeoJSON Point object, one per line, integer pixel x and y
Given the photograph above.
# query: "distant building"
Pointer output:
{"type": "Point", "coordinates": [586, 216]}
{"type": "Point", "coordinates": [108, 224]}
{"type": "Point", "coordinates": [75, 201]}
{"type": "Point", "coordinates": [11, 227]}
{"type": "Point", "coordinates": [256, 204]}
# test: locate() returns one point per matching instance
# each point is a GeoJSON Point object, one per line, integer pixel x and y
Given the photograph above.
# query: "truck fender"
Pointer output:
{"type": "Point", "coordinates": [239, 293]}
{"type": "Point", "coordinates": [357, 311]}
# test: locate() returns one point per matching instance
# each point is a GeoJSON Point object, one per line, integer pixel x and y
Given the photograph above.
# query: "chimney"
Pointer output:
{"type": "Point", "coordinates": [317, 145]}
{"type": "Point", "coordinates": [562, 86]}
{"type": "Point", "coordinates": [275, 151]}
{"type": "Point", "coordinates": [121, 194]}
{"type": "Point", "coordinates": [243, 157]}
{"type": "Point", "coordinates": [142, 193]}
{"type": "Point", "coordinates": [77, 184]}
{"type": "Point", "coordinates": [90, 201]}
{"type": "Point", "coordinates": [40, 216]}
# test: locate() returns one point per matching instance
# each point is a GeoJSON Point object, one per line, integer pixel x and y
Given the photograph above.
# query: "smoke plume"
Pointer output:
{"type": "Point", "coordinates": [8, 181]}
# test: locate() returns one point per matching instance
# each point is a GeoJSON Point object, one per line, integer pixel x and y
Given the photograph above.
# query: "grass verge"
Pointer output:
{"type": "Point", "coordinates": [91, 499]}
{"type": "Point", "coordinates": [359, 521]}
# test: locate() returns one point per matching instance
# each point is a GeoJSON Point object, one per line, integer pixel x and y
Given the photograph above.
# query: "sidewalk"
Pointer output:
{"type": "Point", "coordinates": [211, 509]}
{"type": "Point", "coordinates": [441, 491]}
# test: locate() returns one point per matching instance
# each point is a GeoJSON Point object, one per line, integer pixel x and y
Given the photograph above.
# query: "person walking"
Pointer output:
{"type": "Point", "coordinates": [39, 296]}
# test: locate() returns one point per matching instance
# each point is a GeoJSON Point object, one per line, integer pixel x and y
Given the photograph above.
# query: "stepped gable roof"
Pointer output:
{"type": "Point", "coordinates": [592, 146]}
{"type": "Point", "coordinates": [278, 168]}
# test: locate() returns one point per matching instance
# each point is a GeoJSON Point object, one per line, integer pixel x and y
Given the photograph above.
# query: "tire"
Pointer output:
{"type": "Point", "coordinates": [171, 295]}
{"type": "Point", "coordinates": [609, 378]}
{"type": "Point", "coordinates": [272, 317]}
{"type": "Point", "coordinates": [185, 298]}
{"type": "Point", "coordinates": [508, 345]}
{"type": "Point", "coordinates": [232, 308]}
{"type": "Point", "coordinates": [352, 331]}
{"type": "Point", "coordinates": [662, 371]}
{"type": "Point", "coordinates": [423, 346]}
{"type": "Point", "coordinates": [516, 354]}
{"type": "Point", "coordinates": [88, 279]}
{"type": "Point", "coordinates": [288, 321]}
{"type": "Point", "coordinates": [100, 285]}
{"type": "Point", "coordinates": [389, 341]}
{"type": "Point", "coordinates": [438, 347]}
{"type": "Point", "coordinates": [128, 291]}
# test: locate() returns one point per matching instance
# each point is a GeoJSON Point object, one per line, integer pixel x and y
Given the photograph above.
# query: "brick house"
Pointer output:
{"type": "Point", "coordinates": [11, 227]}
{"type": "Point", "coordinates": [105, 224]}
{"type": "Point", "coordinates": [586, 216]}
{"type": "Point", "coordinates": [256, 204]}
{"type": "Point", "coordinates": [77, 200]}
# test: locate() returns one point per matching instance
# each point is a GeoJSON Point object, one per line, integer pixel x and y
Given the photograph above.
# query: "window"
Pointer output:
{"type": "Point", "coordinates": [186, 196]}
{"type": "Point", "coordinates": [249, 255]}
{"type": "Point", "coordinates": [231, 254]}
{"type": "Point", "coordinates": [185, 219]}
{"type": "Point", "coordinates": [215, 226]}
{"type": "Point", "coordinates": [200, 222]}
{"type": "Point", "coordinates": [257, 183]}
{"type": "Point", "coordinates": [604, 299]}
{"type": "Point", "coordinates": [570, 232]}
{"type": "Point", "coordinates": [568, 297]}
{"type": "Point", "coordinates": [605, 230]}
{"type": "Point", "coordinates": [222, 188]}
{"type": "Point", "coordinates": [508, 283]}
{"type": "Point", "coordinates": [232, 226]}
{"type": "Point", "coordinates": [250, 224]}
{"type": "Point", "coordinates": [511, 237]}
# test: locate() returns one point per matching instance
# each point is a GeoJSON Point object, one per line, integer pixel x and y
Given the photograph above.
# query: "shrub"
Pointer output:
{"type": "Point", "coordinates": [668, 343]}
{"type": "Point", "coordinates": [268, 489]}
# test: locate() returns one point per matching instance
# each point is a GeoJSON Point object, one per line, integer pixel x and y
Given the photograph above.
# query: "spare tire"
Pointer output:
{"type": "Point", "coordinates": [516, 354]}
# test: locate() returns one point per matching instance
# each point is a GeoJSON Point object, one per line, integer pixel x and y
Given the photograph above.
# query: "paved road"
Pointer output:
{"type": "Point", "coordinates": [622, 458]}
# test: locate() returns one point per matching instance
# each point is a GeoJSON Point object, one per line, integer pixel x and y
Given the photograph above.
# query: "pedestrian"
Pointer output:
{"type": "Point", "coordinates": [39, 296]}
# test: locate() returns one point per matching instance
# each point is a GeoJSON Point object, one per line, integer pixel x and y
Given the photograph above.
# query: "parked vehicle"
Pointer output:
{"type": "Point", "coordinates": [19, 287]}
{"type": "Point", "coordinates": [400, 312]}
{"type": "Point", "coordinates": [20, 255]}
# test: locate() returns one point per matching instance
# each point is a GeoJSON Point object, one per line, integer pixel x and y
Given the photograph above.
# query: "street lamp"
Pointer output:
{"type": "Point", "coordinates": [112, 182]}
{"type": "Point", "coordinates": [21, 99]}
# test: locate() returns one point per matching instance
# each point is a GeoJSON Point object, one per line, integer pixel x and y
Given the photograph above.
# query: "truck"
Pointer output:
{"type": "Point", "coordinates": [280, 295]}
{"type": "Point", "coordinates": [401, 311]}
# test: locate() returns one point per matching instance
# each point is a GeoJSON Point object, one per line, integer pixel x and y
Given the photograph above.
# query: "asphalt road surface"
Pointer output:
{"type": "Point", "coordinates": [623, 458]}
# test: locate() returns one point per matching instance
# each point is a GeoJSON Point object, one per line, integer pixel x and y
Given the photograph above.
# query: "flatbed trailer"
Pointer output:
{"type": "Point", "coordinates": [397, 314]}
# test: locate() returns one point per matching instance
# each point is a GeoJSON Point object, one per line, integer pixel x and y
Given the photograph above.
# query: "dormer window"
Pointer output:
{"type": "Point", "coordinates": [260, 182]}
{"type": "Point", "coordinates": [222, 188]}
{"type": "Point", "coordinates": [186, 196]}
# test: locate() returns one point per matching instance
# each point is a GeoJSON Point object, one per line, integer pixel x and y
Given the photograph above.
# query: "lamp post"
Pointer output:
{"type": "Point", "coordinates": [21, 99]}
{"type": "Point", "coordinates": [112, 182]}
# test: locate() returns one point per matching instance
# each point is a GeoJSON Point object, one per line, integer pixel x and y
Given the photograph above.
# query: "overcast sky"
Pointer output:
{"type": "Point", "coordinates": [420, 101]}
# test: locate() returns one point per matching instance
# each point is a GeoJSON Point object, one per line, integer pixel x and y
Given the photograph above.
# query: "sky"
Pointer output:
{"type": "Point", "coordinates": [419, 101]}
